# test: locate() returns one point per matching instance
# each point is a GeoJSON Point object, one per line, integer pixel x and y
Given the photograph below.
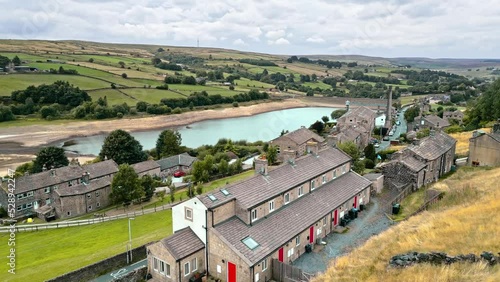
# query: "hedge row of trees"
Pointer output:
{"type": "Point", "coordinates": [203, 99]}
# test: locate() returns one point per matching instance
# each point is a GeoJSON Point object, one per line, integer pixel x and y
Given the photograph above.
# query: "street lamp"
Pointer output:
{"type": "Point", "coordinates": [129, 244]}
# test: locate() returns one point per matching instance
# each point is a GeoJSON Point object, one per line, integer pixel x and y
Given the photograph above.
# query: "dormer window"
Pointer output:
{"type": "Point", "coordinates": [254, 215]}
{"type": "Point", "coordinates": [313, 184]}
{"type": "Point", "coordinates": [47, 190]}
{"type": "Point", "coordinates": [286, 198]}
{"type": "Point", "coordinates": [324, 178]}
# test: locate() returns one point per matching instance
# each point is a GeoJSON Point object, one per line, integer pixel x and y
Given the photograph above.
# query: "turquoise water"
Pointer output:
{"type": "Point", "coordinates": [263, 127]}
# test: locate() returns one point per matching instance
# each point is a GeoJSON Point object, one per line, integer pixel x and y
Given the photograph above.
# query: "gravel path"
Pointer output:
{"type": "Point", "coordinates": [370, 222]}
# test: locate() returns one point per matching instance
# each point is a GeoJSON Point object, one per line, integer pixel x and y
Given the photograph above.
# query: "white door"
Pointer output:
{"type": "Point", "coordinates": [35, 205]}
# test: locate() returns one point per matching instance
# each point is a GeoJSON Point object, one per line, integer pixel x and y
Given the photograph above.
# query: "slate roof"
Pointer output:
{"type": "Point", "coordinates": [435, 120]}
{"type": "Point", "coordinates": [301, 136]}
{"type": "Point", "coordinates": [362, 112]}
{"type": "Point", "coordinates": [495, 136]}
{"type": "Point", "coordinates": [145, 166]}
{"type": "Point", "coordinates": [277, 228]}
{"type": "Point", "coordinates": [372, 176]}
{"type": "Point", "coordinates": [183, 243]}
{"type": "Point", "coordinates": [432, 147]}
{"type": "Point", "coordinates": [81, 189]}
{"type": "Point", "coordinates": [181, 159]}
{"type": "Point", "coordinates": [64, 174]}
{"type": "Point", "coordinates": [413, 164]}
{"type": "Point", "coordinates": [259, 188]}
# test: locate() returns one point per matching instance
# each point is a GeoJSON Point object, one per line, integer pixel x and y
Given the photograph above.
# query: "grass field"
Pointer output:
{"type": "Point", "coordinates": [409, 99]}
{"type": "Point", "coordinates": [319, 84]}
{"type": "Point", "coordinates": [46, 254]}
{"type": "Point", "coordinates": [152, 96]}
{"type": "Point", "coordinates": [410, 204]}
{"type": "Point", "coordinates": [465, 221]}
{"type": "Point", "coordinates": [12, 82]}
{"type": "Point", "coordinates": [114, 97]}
{"type": "Point", "coordinates": [463, 141]}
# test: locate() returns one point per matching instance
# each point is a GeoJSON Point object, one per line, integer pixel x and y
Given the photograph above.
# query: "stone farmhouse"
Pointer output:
{"type": "Point", "coordinates": [456, 115]}
{"type": "Point", "coordinates": [63, 192]}
{"type": "Point", "coordinates": [147, 167]}
{"type": "Point", "coordinates": [421, 163]}
{"type": "Point", "coordinates": [296, 142]}
{"type": "Point", "coordinates": [484, 148]}
{"type": "Point", "coordinates": [276, 214]}
{"type": "Point", "coordinates": [356, 125]}
{"type": "Point", "coordinates": [433, 122]}
{"type": "Point", "coordinates": [171, 164]}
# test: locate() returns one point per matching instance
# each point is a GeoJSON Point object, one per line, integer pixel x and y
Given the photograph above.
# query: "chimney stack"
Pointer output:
{"type": "Point", "coordinates": [261, 165]}
{"type": "Point", "coordinates": [86, 178]}
{"type": "Point", "coordinates": [289, 156]}
{"type": "Point", "coordinates": [312, 147]}
{"type": "Point", "coordinates": [388, 118]}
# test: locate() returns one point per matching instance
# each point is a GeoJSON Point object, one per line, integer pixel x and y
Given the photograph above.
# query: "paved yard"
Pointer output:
{"type": "Point", "coordinates": [370, 222]}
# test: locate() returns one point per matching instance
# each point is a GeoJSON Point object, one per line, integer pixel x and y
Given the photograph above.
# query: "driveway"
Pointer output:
{"type": "Point", "coordinates": [370, 222]}
{"type": "Point", "coordinates": [121, 272]}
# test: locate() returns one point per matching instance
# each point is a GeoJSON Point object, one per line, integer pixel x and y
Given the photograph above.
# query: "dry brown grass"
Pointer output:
{"type": "Point", "coordinates": [463, 141]}
{"type": "Point", "coordinates": [466, 221]}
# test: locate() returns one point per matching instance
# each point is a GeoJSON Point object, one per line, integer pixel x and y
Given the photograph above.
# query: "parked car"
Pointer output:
{"type": "Point", "coordinates": [179, 173]}
{"type": "Point", "coordinates": [376, 145]}
{"type": "Point", "coordinates": [386, 138]}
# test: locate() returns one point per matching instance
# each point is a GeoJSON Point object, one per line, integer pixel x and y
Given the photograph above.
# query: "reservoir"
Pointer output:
{"type": "Point", "coordinates": [265, 127]}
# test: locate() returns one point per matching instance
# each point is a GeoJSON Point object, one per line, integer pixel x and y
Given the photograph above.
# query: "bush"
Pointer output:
{"type": "Point", "coordinates": [235, 104]}
{"type": "Point", "coordinates": [177, 111]}
{"type": "Point", "coordinates": [124, 75]}
{"type": "Point", "coordinates": [369, 164]}
{"type": "Point", "coordinates": [119, 115]}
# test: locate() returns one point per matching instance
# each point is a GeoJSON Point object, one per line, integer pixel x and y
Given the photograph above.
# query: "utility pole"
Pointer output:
{"type": "Point", "coordinates": [129, 244]}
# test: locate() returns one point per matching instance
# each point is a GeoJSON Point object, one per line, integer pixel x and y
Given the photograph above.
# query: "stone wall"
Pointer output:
{"type": "Point", "coordinates": [102, 267]}
{"type": "Point", "coordinates": [412, 258]}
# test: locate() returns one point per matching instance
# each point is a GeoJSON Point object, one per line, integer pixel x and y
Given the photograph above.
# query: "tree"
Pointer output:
{"type": "Point", "coordinates": [126, 186]}
{"type": "Point", "coordinates": [16, 61]}
{"type": "Point", "coordinates": [337, 113]}
{"type": "Point", "coordinates": [4, 61]}
{"type": "Point", "coordinates": [122, 64]}
{"type": "Point", "coordinates": [6, 113]}
{"type": "Point", "coordinates": [223, 167]}
{"type": "Point", "coordinates": [124, 75]}
{"type": "Point", "coordinates": [24, 168]}
{"type": "Point", "coordinates": [91, 60]}
{"type": "Point", "coordinates": [121, 147]}
{"type": "Point", "coordinates": [352, 150]}
{"type": "Point", "coordinates": [189, 80]}
{"type": "Point", "coordinates": [148, 185]}
{"type": "Point", "coordinates": [160, 50]}
{"type": "Point", "coordinates": [412, 113]}
{"type": "Point", "coordinates": [199, 189]}
{"type": "Point", "coordinates": [141, 106]}
{"type": "Point", "coordinates": [168, 143]}
{"type": "Point", "coordinates": [272, 155]}
{"type": "Point", "coordinates": [325, 119]}
{"type": "Point", "coordinates": [49, 157]}
{"type": "Point", "coordinates": [318, 126]}
{"type": "Point", "coordinates": [370, 152]}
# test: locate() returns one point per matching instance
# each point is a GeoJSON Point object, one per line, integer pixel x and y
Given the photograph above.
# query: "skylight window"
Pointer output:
{"type": "Point", "coordinates": [250, 243]}
{"type": "Point", "coordinates": [225, 192]}
{"type": "Point", "coordinates": [212, 197]}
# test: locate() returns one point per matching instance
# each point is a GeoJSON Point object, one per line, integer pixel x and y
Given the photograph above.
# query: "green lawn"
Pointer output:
{"type": "Point", "coordinates": [12, 82]}
{"type": "Point", "coordinates": [34, 121]}
{"type": "Point", "coordinates": [410, 204]}
{"type": "Point", "coordinates": [409, 99]}
{"type": "Point", "coordinates": [113, 96]}
{"type": "Point", "coordinates": [152, 96]}
{"type": "Point", "coordinates": [46, 254]}
{"type": "Point", "coordinates": [319, 84]}
{"type": "Point", "coordinates": [245, 82]}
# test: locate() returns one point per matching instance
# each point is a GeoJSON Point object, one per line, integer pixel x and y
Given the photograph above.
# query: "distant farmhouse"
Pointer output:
{"type": "Point", "coordinates": [239, 232]}
{"type": "Point", "coordinates": [171, 164]}
{"type": "Point", "coordinates": [422, 163]}
{"type": "Point", "coordinates": [484, 148]}
{"type": "Point", "coordinates": [63, 192]}
{"type": "Point", "coordinates": [433, 122]}
{"type": "Point", "coordinates": [456, 115]}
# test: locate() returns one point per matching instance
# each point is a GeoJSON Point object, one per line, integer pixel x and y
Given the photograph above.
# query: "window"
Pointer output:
{"type": "Point", "coordinates": [343, 169]}
{"type": "Point", "coordinates": [297, 240]}
{"type": "Point", "coordinates": [68, 213]}
{"type": "Point", "coordinates": [97, 193]}
{"type": "Point", "coordinates": [225, 192]}
{"type": "Point", "coordinates": [212, 197]}
{"type": "Point", "coordinates": [301, 191]}
{"type": "Point", "coordinates": [48, 201]}
{"type": "Point", "coordinates": [186, 269]}
{"type": "Point", "coordinates": [264, 264]}
{"type": "Point", "coordinates": [324, 221]}
{"type": "Point", "coordinates": [290, 252]}
{"type": "Point", "coordinates": [250, 243]}
{"type": "Point", "coordinates": [334, 174]}
{"type": "Point", "coordinates": [324, 178]}
{"type": "Point", "coordinates": [313, 184]}
{"type": "Point", "coordinates": [271, 206]}
{"type": "Point", "coordinates": [165, 268]}
{"type": "Point", "coordinates": [188, 213]}
{"type": "Point", "coordinates": [19, 208]}
{"type": "Point", "coordinates": [47, 190]}
{"type": "Point", "coordinates": [19, 196]}
{"type": "Point", "coordinates": [89, 195]}
{"type": "Point", "coordinates": [30, 194]}
{"type": "Point", "coordinates": [278, 149]}
{"type": "Point", "coordinates": [90, 208]}
{"type": "Point", "coordinates": [194, 265]}
{"type": "Point", "coordinates": [155, 264]}
{"type": "Point", "coordinates": [287, 198]}
{"type": "Point", "coordinates": [256, 277]}
{"type": "Point", "coordinates": [254, 215]}
{"type": "Point", "coordinates": [29, 205]}
{"type": "Point", "coordinates": [98, 204]}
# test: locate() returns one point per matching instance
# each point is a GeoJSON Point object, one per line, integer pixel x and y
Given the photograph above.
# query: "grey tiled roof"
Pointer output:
{"type": "Point", "coordinates": [181, 159]}
{"type": "Point", "coordinates": [363, 112]}
{"type": "Point", "coordinates": [372, 176]}
{"type": "Point", "coordinates": [145, 166]}
{"type": "Point", "coordinates": [83, 189]}
{"type": "Point", "coordinates": [259, 188]}
{"type": "Point", "coordinates": [286, 223]}
{"type": "Point", "coordinates": [183, 243]}
{"type": "Point", "coordinates": [413, 164]}
{"type": "Point", "coordinates": [435, 120]}
{"type": "Point", "coordinates": [302, 135]}
{"type": "Point", "coordinates": [64, 174]}
{"type": "Point", "coordinates": [431, 147]}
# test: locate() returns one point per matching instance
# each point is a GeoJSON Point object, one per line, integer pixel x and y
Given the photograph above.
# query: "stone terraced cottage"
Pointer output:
{"type": "Point", "coordinates": [274, 214]}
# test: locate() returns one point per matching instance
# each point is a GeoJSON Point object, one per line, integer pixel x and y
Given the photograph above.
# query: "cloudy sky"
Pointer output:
{"type": "Point", "coordinates": [392, 28]}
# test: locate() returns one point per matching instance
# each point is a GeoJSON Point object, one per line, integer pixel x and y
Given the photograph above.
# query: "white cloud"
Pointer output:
{"type": "Point", "coordinates": [459, 28]}
{"type": "Point", "coordinates": [315, 39]}
{"type": "Point", "coordinates": [239, 42]}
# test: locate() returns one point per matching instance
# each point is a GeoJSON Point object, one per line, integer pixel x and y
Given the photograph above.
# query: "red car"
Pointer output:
{"type": "Point", "coordinates": [179, 173]}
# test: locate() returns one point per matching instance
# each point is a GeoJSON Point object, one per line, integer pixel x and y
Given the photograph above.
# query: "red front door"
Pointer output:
{"type": "Point", "coordinates": [280, 255]}
{"type": "Point", "coordinates": [356, 201]}
{"type": "Point", "coordinates": [231, 272]}
{"type": "Point", "coordinates": [335, 215]}
{"type": "Point", "coordinates": [311, 234]}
